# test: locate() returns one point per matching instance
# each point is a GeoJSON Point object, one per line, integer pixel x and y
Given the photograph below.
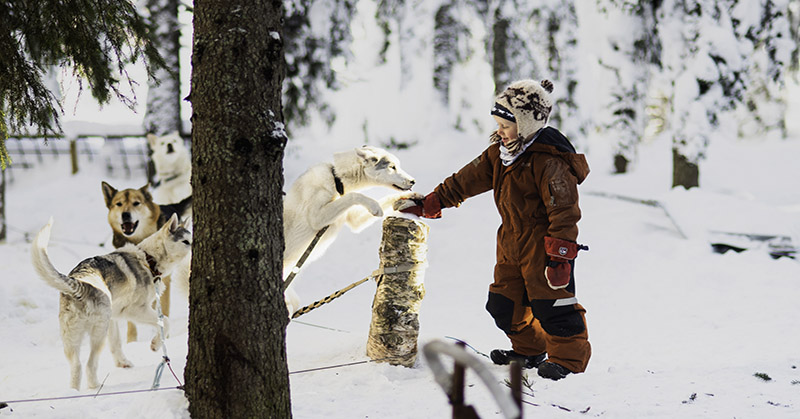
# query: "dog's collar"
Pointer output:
{"type": "Point", "coordinates": [151, 263]}
{"type": "Point", "coordinates": [169, 179]}
{"type": "Point", "coordinates": [338, 181]}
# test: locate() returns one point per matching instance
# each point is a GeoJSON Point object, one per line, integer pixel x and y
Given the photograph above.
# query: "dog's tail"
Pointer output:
{"type": "Point", "coordinates": [45, 268]}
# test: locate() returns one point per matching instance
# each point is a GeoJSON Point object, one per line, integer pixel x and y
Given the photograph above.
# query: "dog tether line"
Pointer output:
{"type": "Point", "coordinates": [303, 258]}
{"type": "Point", "coordinates": [377, 274]}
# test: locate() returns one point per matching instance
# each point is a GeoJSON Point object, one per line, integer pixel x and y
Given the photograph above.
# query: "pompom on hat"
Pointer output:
{"type": "Point", "coordinates": [529, 104]}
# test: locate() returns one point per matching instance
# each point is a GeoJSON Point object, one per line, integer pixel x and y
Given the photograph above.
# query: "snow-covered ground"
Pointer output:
{"type": "Point", "coordinates": [677, 330]}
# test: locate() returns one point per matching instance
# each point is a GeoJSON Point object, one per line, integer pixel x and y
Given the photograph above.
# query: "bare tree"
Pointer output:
{"type": "Point", "coordinates": [236, 365]}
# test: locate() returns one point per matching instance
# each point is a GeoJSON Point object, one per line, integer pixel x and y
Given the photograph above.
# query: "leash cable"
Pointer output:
{"type": "Point", "coordinates": [4, 403]}
{"type": "Point", "coordinates": [303, 258]}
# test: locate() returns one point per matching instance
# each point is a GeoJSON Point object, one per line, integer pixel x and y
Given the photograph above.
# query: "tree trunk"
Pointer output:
{"type": "Point", "coordinates": [2, 205]}
{"type": "Point", "coordinates": [500, 71]}
{"type": "Point", "coordinates": [163, 112]}
{"type": "Point", "coordinates": [444, 50]}
{"type": "Point", "coordinates": [236, 365]}
{"type": "Point", "coordinates": [394, 328]}
{"type": "Point", "coordinates": [684, 172]}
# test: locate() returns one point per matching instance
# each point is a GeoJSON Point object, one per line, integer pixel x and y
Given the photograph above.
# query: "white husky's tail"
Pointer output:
{"type": "Point", "coordinates": [46, 270]}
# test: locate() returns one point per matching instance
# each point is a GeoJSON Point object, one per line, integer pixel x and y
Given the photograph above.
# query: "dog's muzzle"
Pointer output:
{"type": "Point", "coordinates": [408, 186]}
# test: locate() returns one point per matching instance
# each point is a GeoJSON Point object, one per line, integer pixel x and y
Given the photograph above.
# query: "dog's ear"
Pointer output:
{"type": "Point", "coordinates": [187, 223]}
{"type": "Point", "coordinates": [367, 154]}
{"type": "Point", "coordinates": [172, 225]}
{"type": "Point", "coordinates": [145, 190]}
{"type": "Point", "coordinates": [108, 193]}
{"type": "Point", "coordinates": [151, 139]}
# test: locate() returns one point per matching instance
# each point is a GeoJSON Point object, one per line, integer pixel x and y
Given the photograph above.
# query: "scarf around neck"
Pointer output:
{"type": "Point", "coordinates": [515, 148]}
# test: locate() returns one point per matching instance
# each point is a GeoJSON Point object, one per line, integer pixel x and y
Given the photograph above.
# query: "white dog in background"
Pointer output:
{"type": "Point", "coordinates": [326, 195]}
{"type": "Point", "coordinates": [173, 168]}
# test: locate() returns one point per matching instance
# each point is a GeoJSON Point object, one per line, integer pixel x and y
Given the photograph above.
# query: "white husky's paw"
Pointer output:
{"type": "Point", "coordinates": [375, 209]}
{"type": "Point", "coordinates": [407, 200]}
{"type": "Point", "coordinates": [373, 206]}
{"type": "Point", "coordinates": [124, 363]}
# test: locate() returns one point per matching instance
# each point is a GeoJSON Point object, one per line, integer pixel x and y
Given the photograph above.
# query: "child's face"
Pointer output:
{"type": "Point", "coordinates": [506, 129]}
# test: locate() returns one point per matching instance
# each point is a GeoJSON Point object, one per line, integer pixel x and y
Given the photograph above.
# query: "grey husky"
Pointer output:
{"type": "Point", "coordinates": [104, 289]}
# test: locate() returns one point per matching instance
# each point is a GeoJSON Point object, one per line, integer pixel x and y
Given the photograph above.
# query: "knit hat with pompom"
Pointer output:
{"type": "Point", "coordinates": [529, 103]}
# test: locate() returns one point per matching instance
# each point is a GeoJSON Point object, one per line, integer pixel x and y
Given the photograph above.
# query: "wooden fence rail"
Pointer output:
{"type": "Point", "coordinates": [122, 156]}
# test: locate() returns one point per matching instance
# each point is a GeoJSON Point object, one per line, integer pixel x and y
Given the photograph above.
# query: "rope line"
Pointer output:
{"type": "Point", "coordinates": [468, 346]}
{"type": "Point", "coordinates": [180, 387]}
{"type": "Point", "coordinates": [331, 297]}
{"type": "Point", "coordinates": [377, 274]}
{"type": "Point", "coordinates": [83, 396]}
{"type": "Point", "coordinates": [350, 364]}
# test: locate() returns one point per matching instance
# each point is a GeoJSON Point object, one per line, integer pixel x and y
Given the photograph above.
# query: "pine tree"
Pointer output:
{"type": "Point", "coordinates": [513, 43]}
{"type": "Point", "coordinates": [556, 21]}
{"type": "Point", "coordinates": [96, 39]}
{"type": "Point", "coordinates": [445, 40]}
{"type": "Point", "coordinates": [163, 112]}
{"type": "Point", "coordinates": [632, 54]}
{"type": "Point", "coordinates": [310, 50]}
{"type": "Point", "coordinates": [763, 27]}
{"type": "Point", "coordinates": [538, 40]}
{"type": "Point", "coordinates": [236, 364]}
{"type": "Point", "coordinates": [702, 59]}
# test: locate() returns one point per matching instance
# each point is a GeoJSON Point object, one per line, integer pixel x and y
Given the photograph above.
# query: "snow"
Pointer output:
{"type": "Point", "coordinates": [677, 330]}
{"type": "Point", "coordinates": [668, 318]}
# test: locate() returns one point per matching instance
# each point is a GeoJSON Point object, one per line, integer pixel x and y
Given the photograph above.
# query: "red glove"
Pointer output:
{"type": "Point", "coordinates": [428, 207]}
{"type": "Point", "coordinates": [560, 252]}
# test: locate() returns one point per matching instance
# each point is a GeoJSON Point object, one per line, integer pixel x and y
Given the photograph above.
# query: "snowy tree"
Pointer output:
{"type": "Point", "coordinates": [96, 39]}
{"type": "Point", "coordinates": [317, 32]}
{"type": "Point", "coordinates": [236, 364]}
{"type": "Point", "coordinates": [763, 27]}
{"type": "Point", "coordinates": [514, 46]}
{"type": "Point", "coordinates": [705, 64]}
{"type": "Point", "coordinates": [445, 47]}
{"type": "Point", "coordinates": [538, 40]}
{"type": "Point", "coordinates": [794, 28]}
{"type": "Point", "coordinates": [631, 55]}
{"type": "Point", "coordinates": [163, 112]}
{"type": "Point", "coordinates": [399, 19]}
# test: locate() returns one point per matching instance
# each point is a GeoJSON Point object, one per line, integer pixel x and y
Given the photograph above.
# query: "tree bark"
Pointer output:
{"type": "Point", "coordinates": [684, 172]}
{"type": "Point", "coordinates": [163, 111]}
{"type": "Point", "coordinates": [394, 328]}
{"type": "Point", "coordinates": [444, 50]}
{"type": "Point", "coordinates": [236, 365]}
{"type": "Point", "coordinates": [2, 205]}
{"type": "Point", "coordinates": [500, 70]}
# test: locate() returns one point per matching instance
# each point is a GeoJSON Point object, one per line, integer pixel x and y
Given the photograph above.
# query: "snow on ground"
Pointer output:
{"type": "Point", "coordinates": [677, 330]}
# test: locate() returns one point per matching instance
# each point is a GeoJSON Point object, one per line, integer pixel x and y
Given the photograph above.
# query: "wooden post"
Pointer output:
{"type": "Point", "coordinates": [2, 205]}
{"type": "Point", "coordinates": [460, 410]}
{"type": "Point", "coordinates": [516, 384]}
{"type": "Point", "coordinates": [73, 152]}
{"type": "Point", "coordinates": [394, 328]}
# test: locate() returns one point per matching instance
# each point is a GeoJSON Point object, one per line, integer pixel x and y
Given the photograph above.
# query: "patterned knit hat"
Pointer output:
{"type": "Point", "coordinates": [530, 104]}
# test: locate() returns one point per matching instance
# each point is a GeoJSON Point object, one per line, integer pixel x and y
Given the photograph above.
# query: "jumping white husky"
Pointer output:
{"type": "Point", "coordinates": [325, 195]}
{"type": "Point", "coordinates": [173, 168]}
{"type": "Point", "coordinates": [103, 289]}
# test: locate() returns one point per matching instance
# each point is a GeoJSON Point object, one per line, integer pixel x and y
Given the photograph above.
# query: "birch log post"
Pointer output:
{"type": "Point", "coordinates": [394, 328]}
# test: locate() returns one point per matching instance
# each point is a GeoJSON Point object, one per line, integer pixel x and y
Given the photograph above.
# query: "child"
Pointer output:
{"type": "Point", "coordinates": [533, 171]}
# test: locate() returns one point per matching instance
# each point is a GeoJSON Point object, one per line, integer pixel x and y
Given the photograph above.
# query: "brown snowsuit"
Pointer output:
{"type": "Point", "coordinates": [536, 196]}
